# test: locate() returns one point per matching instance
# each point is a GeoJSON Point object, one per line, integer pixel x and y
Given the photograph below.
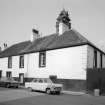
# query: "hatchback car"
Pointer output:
{"type": "Point", "coordinates": [44, 84]}
{"type": "Point", "coordinates": [9, 82]}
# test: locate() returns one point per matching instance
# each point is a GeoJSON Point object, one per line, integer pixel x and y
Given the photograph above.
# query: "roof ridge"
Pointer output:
{"type": "Point", "coordinates": [80, 36]}
{"type": "Point", "coordinates": [50, 42]}
{"type": "Point", "coordinates": [14, 49]}
{"type": "Point", "coordinates": [15, 44]}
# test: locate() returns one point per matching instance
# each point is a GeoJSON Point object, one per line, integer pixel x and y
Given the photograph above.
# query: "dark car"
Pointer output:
{"type": "Point", "coordinates": [9, 82]}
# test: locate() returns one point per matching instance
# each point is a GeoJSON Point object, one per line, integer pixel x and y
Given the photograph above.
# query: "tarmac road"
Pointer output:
{"type": "Point", "coordinates": [23, 97]}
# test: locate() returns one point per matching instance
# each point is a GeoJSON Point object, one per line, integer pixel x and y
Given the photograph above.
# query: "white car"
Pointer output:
{"type": "Point", "coordinates": [44, 84]}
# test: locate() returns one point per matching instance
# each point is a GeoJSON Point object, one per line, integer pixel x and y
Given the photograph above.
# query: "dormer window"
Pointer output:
{"type": "Point", "coordinates": [42, 59]}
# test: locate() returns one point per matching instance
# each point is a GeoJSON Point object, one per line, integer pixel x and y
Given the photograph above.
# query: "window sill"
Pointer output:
{"type": "Point", "coordinates": [42, 66]}
{"type": "Point", "coordinates": [21, 67]}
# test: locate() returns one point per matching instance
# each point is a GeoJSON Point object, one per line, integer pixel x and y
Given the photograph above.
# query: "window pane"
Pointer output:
{"type": "Point", "coordinates": [45, 80]}
{"type": "Point", "coordinates": [42, 59]}
{"type": "Point", "coordinates": [9, 62]}
{"type": "Point", "coordinates": [35, 80]}
{"type": "Point", "coordinates": [95, 59]}
{"type": "Point", "coordinates": [40, 81]}
{"type": "Point", "coordinates": [21, 62]}
{"type": "Point", "coordinates": [101, 60]}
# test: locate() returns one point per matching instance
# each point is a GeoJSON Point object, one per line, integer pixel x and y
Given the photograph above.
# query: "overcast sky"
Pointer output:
{"type": "Point", "coordinates": [17, 17]}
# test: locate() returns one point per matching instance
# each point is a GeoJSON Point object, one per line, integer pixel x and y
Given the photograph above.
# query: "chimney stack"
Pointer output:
{"type": "Point", "coordinates": [63, 22]}
{"type": "Point", "coordinates": [35, 35]}
{"type": "Point", "coordinates": [5, 46]}
{"type": "Point", "coordinates": [0, 49]}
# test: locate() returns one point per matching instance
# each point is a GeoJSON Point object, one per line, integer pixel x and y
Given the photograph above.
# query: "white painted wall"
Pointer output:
{"type": "Point", "coordinates": [98, 59]}
{"type": "Point", "coordinates": [3, 65]}
{"type": "Point", "coordinates": [90, 57]}
{"type": "Point", "coordinates": [103, 61]}
{"type": "Point", "coordinates": [15, 66]}
{"type": "Point", "coordinates": [68, 63]}
{"type": "Point", "coordinates": [62, 28]}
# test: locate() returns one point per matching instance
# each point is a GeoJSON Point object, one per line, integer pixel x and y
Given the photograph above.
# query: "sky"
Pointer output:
{"type": "Point", "coordinates": [18, 17]}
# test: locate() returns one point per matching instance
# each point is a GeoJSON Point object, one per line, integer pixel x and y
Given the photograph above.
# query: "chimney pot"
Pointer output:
{"type": "Point", "coordinates": [35, 35]}
{"type": "Point", "coordinates": [35, 31]}
{"type": "Point", "coordinates": [63, 22]}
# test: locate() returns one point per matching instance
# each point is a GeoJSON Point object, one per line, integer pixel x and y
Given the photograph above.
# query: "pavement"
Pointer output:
{"type": "Point", "coordinates": [66, 92]}
{"type": "Point", "coordinates": [73, 93]}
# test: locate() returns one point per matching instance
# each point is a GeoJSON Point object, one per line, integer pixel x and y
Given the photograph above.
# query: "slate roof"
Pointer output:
{"type": "Point", "coordinates": [54, 41]}
{"type": "Point", "coordinates": [14, 49]}
{"type": "Point", "coordinates": [68, 39]}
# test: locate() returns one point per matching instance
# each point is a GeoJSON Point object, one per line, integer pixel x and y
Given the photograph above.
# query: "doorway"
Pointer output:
{"type": "Point", "coordinates": [8, 74]}
{"type": "Point", "coordinates": [21, 78]}
{"type": "Point", "coordinates": [0, 73]}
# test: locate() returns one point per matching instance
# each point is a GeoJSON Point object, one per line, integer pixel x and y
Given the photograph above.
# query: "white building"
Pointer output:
{"type": "Point", "coordinates": [65, 55]}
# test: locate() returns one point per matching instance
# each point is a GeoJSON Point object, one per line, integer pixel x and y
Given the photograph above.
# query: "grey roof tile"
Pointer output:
{"type": "Point", "coordinates": [68, 39]}
{"type": "Point", "coordinates": [14, 49]}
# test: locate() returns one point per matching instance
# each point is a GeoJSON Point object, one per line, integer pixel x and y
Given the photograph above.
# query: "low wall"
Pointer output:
{"type": "Point", "coordinates": [72, 84]}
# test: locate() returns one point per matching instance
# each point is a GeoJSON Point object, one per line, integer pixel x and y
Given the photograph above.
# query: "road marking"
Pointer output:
{"type": "Point", "coordinates": [16, 94]}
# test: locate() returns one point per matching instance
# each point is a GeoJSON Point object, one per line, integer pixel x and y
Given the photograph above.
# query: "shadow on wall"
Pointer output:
{"type": "Point", "coordinates": [96, 80]}
{"type": "Point", "coordinates": [70, 84]}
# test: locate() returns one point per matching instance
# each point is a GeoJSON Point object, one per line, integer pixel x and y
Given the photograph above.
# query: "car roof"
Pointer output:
{"type": "Point", "coordinates": [41, 78]}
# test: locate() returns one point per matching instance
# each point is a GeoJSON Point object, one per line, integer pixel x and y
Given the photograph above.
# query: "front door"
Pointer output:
{"type": "Point", "coordinates": [8, 74]}
{"type": "Point", "coordinates": [0, 73]}
{"type": "Point", "coordinates": [21, 78]}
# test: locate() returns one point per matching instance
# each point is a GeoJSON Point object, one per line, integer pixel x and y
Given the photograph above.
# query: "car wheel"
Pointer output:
{"type": "Point", "coordinates": [7, 85]}
{"type": "Point", "coordinates": [48, 91]}
{"type": "Point", "coordinates": [30, 89]}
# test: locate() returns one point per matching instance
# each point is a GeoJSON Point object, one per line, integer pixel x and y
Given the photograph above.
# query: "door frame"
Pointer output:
{"type": "Point", "coordinates": [0, 73]}
{"type": "Point", "coordinates": [21, 74]}
{"type": "Point", "coordinates": [8, 74]}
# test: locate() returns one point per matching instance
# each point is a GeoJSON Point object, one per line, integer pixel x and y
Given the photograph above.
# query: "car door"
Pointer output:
{"type": "Point", "coordinates": [42, 84]}
{"type": "Point", "coordinates": [33, 84]}
{"type": "Point", "coordinates": [39, 84]}
{"type": "Point", "coordinates": [45, 84]}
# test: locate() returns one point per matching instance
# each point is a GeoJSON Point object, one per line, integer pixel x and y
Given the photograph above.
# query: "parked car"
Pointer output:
{"type": "Point", "coordinates": [44, 84]}
{"type": "Point", "coordinates": [9, 82]}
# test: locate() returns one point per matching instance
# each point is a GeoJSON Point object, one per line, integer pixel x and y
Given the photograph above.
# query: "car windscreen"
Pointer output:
{"type": "Point", "coordinates": [48, 81]}
{"type": "Point", "coordinates": [11, 79]}
{"type": "Point", "coordinates": [54, 80]}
